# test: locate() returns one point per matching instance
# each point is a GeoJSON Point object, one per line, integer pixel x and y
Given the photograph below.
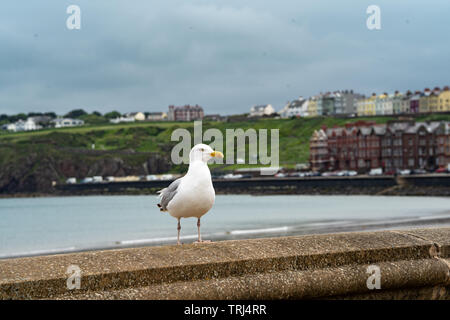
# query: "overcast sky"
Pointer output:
{"type": "Point", "coordinates": [223, 55]}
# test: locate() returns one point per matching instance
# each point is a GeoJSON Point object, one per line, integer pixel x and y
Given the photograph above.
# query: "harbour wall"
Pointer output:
{"type": "Point", "coordinates": [402, 264]}
{"type": "Point", "coordinates": [428, 185]}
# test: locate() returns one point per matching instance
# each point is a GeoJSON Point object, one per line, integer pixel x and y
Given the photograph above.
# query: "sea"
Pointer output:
{"type": "Point", "coordinates": [52, 225]}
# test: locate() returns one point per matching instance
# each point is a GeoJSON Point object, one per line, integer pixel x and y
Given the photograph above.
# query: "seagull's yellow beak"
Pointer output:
{"type": "Point", "coordinates": [217, 154]}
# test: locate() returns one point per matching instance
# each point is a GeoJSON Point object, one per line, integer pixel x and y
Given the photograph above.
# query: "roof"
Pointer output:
{"type": "Point", "coordinates": [260, 107]}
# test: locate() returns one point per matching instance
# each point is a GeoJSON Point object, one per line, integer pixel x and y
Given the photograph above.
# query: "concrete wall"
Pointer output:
{"type": "Point", "coordinates": [412, 264]}
{"type": "Point", "coordinates": [404, 185]}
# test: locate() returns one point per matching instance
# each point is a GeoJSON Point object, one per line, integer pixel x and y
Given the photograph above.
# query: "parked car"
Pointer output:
{"type": "Point", "coordinates": [280, 175]}
{"type": "Point", "coordinates": [405, 172]}
{"type": "Point", "coordinates": [71, 180]}
{"type": "Point", "coordinates": [232, 176]}
{"type": "Point", "coordinates": [442, 170]}
{"type": "Point", "coordinates": [419, 171]}
{"type": "Point", "coordinates": [376, 172]}
{"type": "Point", "coordinates": [297, 174]}
{"type": "Point", "coordinates": [97, 179]}
{"type": "Point", "coordinates": [87, 180]}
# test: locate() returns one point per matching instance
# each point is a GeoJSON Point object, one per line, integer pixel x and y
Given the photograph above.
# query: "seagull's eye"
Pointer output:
{"type": "Point", "coordinates": [201, 149]}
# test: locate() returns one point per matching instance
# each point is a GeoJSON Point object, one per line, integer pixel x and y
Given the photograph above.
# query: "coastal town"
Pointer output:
{"type": "Point", "coordinates": [231, 157]}
{"type": "Point", "coordinates": [401, 145]}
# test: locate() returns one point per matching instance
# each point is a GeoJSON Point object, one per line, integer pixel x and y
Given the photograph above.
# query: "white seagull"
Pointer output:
{"type": "Point", "coordinates": [192, 195]}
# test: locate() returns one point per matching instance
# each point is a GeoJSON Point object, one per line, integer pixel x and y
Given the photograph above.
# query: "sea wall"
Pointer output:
{"type": "Point", "coordinates": [429, 185]}
{"type": "Point", "coordinates": [404, 264]}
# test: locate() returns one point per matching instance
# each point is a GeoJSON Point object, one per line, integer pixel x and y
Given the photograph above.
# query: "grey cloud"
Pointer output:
{"type": "Point", "coordinates": [223, 55]}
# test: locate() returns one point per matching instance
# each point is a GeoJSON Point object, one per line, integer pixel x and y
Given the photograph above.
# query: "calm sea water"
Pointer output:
{"type": "Point", "coordinates": [31, 226]}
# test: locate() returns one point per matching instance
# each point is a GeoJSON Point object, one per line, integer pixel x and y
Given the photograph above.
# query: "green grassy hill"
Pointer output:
{"type": "Point", "coordinates": [155, 136]}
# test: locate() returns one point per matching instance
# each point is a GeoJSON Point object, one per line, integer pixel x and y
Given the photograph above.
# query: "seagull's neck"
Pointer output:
{"type": "Point", "coordinates": [198, 166]}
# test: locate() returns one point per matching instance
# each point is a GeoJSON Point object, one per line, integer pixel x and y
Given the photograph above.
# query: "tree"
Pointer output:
{"type": "Point", "coordinates": [50, 114]}
{"type": "Point", "coordinates": [17, 117]}
{"type": "Point", "coordinates": [96, 113]}
{"type": "Point", "coordinates": [112, 115]}
{"type": "Point", "coordinates": [34, 114]}
{"type": "Point", "coordinates": [76, 113]}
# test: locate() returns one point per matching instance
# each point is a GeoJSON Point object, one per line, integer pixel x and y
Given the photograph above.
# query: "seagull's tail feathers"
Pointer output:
{"type": "Point", "coordinates": [160, 195]}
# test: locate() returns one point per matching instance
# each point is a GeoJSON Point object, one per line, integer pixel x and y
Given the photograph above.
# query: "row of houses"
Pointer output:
{"type": "Point", "coordinates": [427, 101]}
{"type": "Point", "coordinates": [393, 146]}
{"type": "Point", "coordinates": [330, 103]}
{"type": "Point", "coordinates": [347, 102]}
{"type": "Point", "coordinates": [39, 122]}
{"type": "Point", "coordinates": [182, 113]}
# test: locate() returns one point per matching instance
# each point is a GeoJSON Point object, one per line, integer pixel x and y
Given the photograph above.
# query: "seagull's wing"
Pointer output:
{"type": "Point", "coordinates": [167, 194]}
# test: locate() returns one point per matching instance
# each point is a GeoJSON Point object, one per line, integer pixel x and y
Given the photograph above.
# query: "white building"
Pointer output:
{"type": "Point", "coordinates": [295, 108]}
{"type": "Point", "coordinates": [261, 110]}
{"type": "Point", "coordinates": [129, 117]}
{"type": "Point", "coordinates": [157, 116]}
{"type": "Point", "coordinates": [29, 125]}
{"type": "Point", "coordinates": [67, 122]}
{"type": "Point", "coordinates": [16, 126]}
{"type": "Point", "coordinates": [138, 116]}
{"type": "Point", "coordinates": [122, 119]}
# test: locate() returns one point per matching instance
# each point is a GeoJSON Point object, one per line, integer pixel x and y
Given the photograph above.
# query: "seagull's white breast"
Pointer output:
{"type": "Point", "coordinates": [195, 195]}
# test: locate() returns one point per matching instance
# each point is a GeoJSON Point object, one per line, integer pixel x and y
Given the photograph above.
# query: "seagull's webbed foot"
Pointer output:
{"type": "Point", "coordinates": [203, 241]}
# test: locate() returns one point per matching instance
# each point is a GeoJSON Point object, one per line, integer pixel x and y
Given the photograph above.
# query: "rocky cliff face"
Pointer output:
{"type": "Point", "coordinates": [34, 171]}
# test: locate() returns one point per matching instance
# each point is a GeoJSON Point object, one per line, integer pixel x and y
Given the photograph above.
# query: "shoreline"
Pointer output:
{"type": "Point", "coordinates": [405, 191]}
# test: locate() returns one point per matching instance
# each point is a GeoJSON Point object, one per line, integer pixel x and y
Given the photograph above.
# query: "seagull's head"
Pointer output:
{"type": "Point", "coordinates": [203, 152]}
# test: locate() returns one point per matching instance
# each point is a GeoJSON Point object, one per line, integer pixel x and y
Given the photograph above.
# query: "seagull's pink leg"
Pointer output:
{"type": "Point", "coordinates": [179, 229]}
{"type": "Point", "coordinates": [199, 236]}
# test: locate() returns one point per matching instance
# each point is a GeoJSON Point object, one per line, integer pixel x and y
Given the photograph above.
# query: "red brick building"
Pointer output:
{"type": "Point", "coordinates": [442, 146]}
{"type": "Point", "coordinates": [319, 157]}
{"type": "Point", "coordinates": [185, 113]}
{"type": "Point", "coordinates": [394, 146]}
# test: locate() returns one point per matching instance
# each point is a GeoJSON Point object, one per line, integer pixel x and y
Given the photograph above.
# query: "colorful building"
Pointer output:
{"type": "Point", "coordinates": [444, 100]}
{"type": "Point", "coordinates": [312, 107]}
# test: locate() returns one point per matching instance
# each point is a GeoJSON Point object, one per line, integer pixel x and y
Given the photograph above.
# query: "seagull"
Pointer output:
{"type": "Point", "coordinates": [192, 195]}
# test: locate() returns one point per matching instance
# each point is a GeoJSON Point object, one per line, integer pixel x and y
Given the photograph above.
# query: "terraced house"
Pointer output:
{"type": "Point", "coordinates": [428, 101]}
{"type": "Point", "coordinates": [393, 146]}
{"type": "Point", "coordinates": [444, 100]}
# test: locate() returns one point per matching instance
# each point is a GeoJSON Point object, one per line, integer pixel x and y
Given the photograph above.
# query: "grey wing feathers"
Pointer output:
{"type": "Point", "coordinates": [167, 194]}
